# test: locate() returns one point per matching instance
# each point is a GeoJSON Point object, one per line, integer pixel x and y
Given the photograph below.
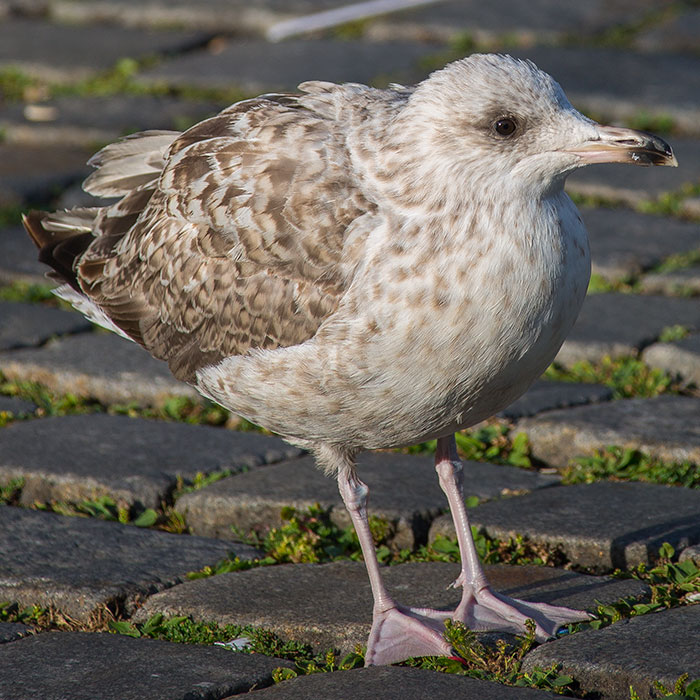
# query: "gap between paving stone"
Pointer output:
{"type": "Point", "coordinates": [12, 631]}
{"type": "Point", "coordinates": [682, 282]}
{"type": "Point", "coordinates": [622, 324]}
{"type": "Point", "coordinates": [403, 489]}
{"type": "Point", "coordinates": [133, 460]}
{"type": "Point", "coordinates": [329, 605]}
{"type": "Point", "coordinates": [88, 569]}
{"type": "Point", "coordinates": [83, 666]}
{"type": "Point", "coordinates": [600, 526]}
{"type": "Point", "coordinates": [635, 652]}
{"type": "Point", "coordinates": [54, 51]}
{"type": "Point", "coordinates": [34, 174]}
{"type": "Point", "coordinates": [544, 21]}
{"type": "Point", "coordinates": [93, 119]}
{"type": "Point", "coordinates": [625, 243]}
{"type": "Point", "coordinates": [546, 395]}
{"type": "Point", "coordinates": [98, 365]}
{"type": "Point", "coordinates": [18, 258]}
{"type": "Point", "coordinates": [26, 325]}
{"type": "Point", "coordinates": [232, 16]}
{"type": "Point", "coordinates": [256, 66]}
{"type": "Point", "coordinates": [665, 426]}
{"type": "Point", "coordinates": [395, 683]}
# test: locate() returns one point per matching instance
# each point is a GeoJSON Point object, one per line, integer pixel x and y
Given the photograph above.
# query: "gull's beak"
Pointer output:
{"type": "Point", "coordinates": [617, 145]}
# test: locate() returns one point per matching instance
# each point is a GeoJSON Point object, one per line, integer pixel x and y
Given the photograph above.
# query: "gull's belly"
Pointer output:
{"type": "Point", "coordinates": [451, 366]}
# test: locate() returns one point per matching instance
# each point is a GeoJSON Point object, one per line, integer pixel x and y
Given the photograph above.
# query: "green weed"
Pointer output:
{"type": "Point", "coordinates": [11, 490]}
{"type": "Point", "coordinates": [489, 443]}
{"type": "Point", "coordinates": [627, 376]}
{"type": "Point", "coordinates": [627, 464]}
{"type": "Point", "coordinates": [682, 690]}
{"type": "Point", "coordinates": [501, 663]}
{"type": "Point", "coordinates": [672, 584]}
{"type": "Point", "coordinates": [32, 615]}
{"type": "Point", "coordinates": [48, 402]}
{"type": "Point", "coordinates": [253, 640]}
{"type": "Point", "coordinates": [670, 334]}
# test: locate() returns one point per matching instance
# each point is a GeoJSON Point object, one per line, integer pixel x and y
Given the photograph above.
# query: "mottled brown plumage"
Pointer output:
{"type": "Point", "coordinates": [226, 238]}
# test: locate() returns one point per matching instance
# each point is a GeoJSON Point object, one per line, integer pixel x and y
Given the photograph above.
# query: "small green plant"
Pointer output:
{"type": "Point", "coordinates": [628, 377]}
{"type": "Point", "coordinates": [601, 285]}
{"type": "Point", "coordinates": [11, 490]}
{"type": "Point", "coordinates": [516, 550]}
{"type": "Point", "coordinates": [489, 443]}
{"type": "Point", "coordinates": [32, 615]}
{"type": "Point", "coordinates": [671, 334]}
{"type": "Point", "coordinates": [672, 584]}
{"type": "Point", "coordinates": [311, 536]}
{"type": "Point", "coordinates": [682, 690]}
{"type": "Point", "coordinates": [104, 508]}
{"type": "Point", "coordinates": [678, 261]}
{"type": "Point", "coordinates": [669, 203]}
{"type": "Point", "coordinates": [48, 402]}
{"type": "Point", "coordinates": [500, 664]}
{"type": "Point", "coordinates": [16, 85]}
{"type": "Point", "coordinates": [627, 464]}
{"type": "Point", "coordinates": [29, 293]}
{"type": "Point", "coordinates": [253, 640]}
{"type": "Point", "coordinates": [648, 121]}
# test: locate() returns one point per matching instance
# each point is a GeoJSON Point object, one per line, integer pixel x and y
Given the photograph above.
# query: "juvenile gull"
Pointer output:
{"type": "Point", "coordinates": [355, 268]}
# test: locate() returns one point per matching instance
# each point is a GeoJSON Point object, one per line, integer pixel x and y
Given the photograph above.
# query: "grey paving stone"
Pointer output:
{"type": "Point", "coordinates": [622, 324]}
{"type": "Point", "coordinates": [329, 605]}
{"type": "Point", "coordinates": [692, 553]}
{"type": "Point", "coordinates": [90, 120]}
{"type": "Point", "coordinates": [84, 567]}
{"type": "Point", "coordinates": [669, 86]}
{"type": "Point", "coordinates": [257, 66]}
{"type": "Point", "coordinates": [403, 489]}
{"type": "Point", "coordinates": [394, 683]}
{"type": "Point", "coordinates": [36, 173]}
{"type": "Point", "coordinates": [681, 357]}
{"type": "Point", "coordinates": [83, 666]}
{"type": "Point", "coordinates": [18, 258]}
{"type": "Point", "coordinates": [664, 426]}
{"type": "Point", "coordinates": [238, 16]}
{"type": "Point", "coordinates": [55, 51]}
{"type": "Point", "coordinates": [18, 407]}
{"type": "Point", "coordinates": [679, 32]}
{"type": "Point", "coordinates": [26, 325]}
{"type": "Point", "coordinates": [135, 461]}
{"type": "Point", "coordinates": [547, 396]}
{"type": "Point", "coordinates": [635, 652]}
{"type": "Point", "coordinates": [603, 525]}
{"type": "Point", "coordinates": [625, 243]}
{"type": "Point", "coordinates": [12, 631]}
{"type": "Point", "coordinates": [98, 365]}
{"type": "Point", "coordinates": [682, 282]}
{"type": "Point", "coordinates": [543, 20]}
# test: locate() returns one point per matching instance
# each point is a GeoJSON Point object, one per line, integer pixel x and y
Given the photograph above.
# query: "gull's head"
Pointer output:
{"type": "Point", "coordinates": [514, 120]}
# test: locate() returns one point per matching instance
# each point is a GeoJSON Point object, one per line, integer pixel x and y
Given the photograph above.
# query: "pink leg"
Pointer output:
{"type": "Point", "coordinates": [397, 632]}
{"type": "Point", "coordinates": [481, 608]}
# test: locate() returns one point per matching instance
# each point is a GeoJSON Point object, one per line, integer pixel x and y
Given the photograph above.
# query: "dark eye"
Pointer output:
{"type": "Point", "coordinates": [505, 126]}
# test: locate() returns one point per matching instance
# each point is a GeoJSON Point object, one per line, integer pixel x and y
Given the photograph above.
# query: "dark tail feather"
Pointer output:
{"type": "Point", "coordinates": [57, 249]}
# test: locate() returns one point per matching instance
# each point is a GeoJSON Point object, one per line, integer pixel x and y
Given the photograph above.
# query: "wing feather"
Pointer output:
{"type": "Point", "coordinates": [235, 243]}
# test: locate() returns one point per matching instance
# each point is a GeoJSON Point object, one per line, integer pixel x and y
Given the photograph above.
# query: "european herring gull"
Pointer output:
{"type": "Point", "coordinates": [355, 268]}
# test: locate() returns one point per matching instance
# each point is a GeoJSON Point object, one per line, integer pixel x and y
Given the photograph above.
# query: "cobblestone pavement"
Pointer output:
{"type": "Point", "coordinates": [94, 434]}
